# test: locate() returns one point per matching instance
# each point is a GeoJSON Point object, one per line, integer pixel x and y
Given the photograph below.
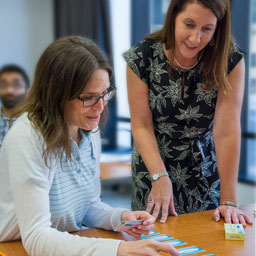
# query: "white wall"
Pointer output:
{"type": "Point", "coordinates": [26, 29]}
{"type": "Point", "coordinates": [246, 194]}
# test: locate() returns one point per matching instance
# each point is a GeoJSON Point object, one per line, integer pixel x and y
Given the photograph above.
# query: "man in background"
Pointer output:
{"type": "Point", "coordinates": [14, 86]}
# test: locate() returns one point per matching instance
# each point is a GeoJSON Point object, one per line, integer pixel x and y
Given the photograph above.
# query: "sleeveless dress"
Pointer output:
{"type": "Point", "coordinates": [183, 115]}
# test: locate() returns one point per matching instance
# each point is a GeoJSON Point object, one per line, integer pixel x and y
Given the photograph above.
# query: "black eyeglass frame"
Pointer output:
{"type": "Point", "coordinates": [111, 89]}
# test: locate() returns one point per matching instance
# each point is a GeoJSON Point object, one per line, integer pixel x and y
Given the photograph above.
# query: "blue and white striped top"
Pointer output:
{"type": "Point", "coordinates": [73, 188]}
{"type": "Point", "coordinates": [38, 201]}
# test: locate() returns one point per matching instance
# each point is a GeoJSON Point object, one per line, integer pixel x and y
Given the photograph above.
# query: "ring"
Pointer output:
{"type": "Point", "coordinates": [241, 214]}
{"type": "Point", "coordinates": [151, 201]}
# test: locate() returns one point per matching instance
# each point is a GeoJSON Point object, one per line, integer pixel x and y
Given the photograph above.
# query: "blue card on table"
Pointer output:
{"type": "Point", "coordinates": [158, 237]}
{"type": "Point", "coordinates": [151, 233]}
{"type": "Point", "coordinates": [209, 255]}
{"type": "Point", "coordinates": [190, 250]}
{"type": "Point", "coordinates": [175, 242]}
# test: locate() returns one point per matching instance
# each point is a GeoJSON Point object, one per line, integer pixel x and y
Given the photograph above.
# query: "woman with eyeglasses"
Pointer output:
{"type": "Point", "coordinates": [49, 161]}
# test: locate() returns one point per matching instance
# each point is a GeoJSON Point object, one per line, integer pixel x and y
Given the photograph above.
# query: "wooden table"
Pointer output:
{"type": "Point", "coordinates": [115, 170]}
{"type": "Point", "coordinates": [196, 229]}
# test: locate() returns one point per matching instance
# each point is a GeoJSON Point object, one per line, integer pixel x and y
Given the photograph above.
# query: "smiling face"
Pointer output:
{"type": "Point", "coordinates": [194, 29]}
{"type": "Point", "coordinates": [88, 118]}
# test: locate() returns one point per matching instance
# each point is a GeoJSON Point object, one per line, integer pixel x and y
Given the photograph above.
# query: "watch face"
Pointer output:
{"type": "Point", "coordinates": [155, 176]}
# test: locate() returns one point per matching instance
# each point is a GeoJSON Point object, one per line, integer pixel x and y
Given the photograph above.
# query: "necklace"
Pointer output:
{"type": "Point", "coordinates": [182, 67]}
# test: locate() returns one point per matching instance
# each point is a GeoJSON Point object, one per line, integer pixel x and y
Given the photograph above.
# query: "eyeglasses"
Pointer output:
{"type": "Point", "coordinates": [89, 101]}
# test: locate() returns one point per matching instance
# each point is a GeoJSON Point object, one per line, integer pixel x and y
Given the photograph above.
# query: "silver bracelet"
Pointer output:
{"type": "Point", "coordinates": [230, 203]}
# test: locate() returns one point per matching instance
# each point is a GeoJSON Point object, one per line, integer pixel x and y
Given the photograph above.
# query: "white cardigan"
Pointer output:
{"type": "Point", "coordinates": [24, 199]}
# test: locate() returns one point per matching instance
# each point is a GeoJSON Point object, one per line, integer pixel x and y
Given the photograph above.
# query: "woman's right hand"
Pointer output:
{"type": "Point", "coordinates": [145, 248]}
{"type": "Point", "coordinates": [162, 195]}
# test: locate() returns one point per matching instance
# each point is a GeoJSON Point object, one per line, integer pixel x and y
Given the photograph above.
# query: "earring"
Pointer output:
{"type": "Point", "coordinates": [212, 42]}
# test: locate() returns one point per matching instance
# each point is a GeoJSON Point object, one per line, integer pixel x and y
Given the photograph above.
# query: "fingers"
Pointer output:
{"type": "Point", "coordinates": [172, 208]}
{"type": "Point", "coordinates": [146, 227]}
{"type": "Point", "coordinates": [231, 215]}
{"type": "Point", "coordinates": [247, 219]}
{"type": "Point", "coordinates": [242, 220]}
{"type": "Point", "coordinates": [166, 204]}
{"type": "Point", "coordinates": [149, 221]}
{"type": "Point", "coordinates": [164, 210]}
{"type": "Point", "coordinates": [156, 210]}
{"type": "Point", "coordinates": [227, 216]}
{"type": "Point", "coordinates": [147, 218]}
{"type": "Point", "coordinates": [234, 217]}
{"type": "Point", "coordinates": [167, 248]}
{"type": "Point", "coordinates": [134, 234]}
{"type": "Point", "coordinates": [150, 206]}
{"type": "Point", "coordinates": [174, 251]}
{"type": "Point", "coordinates": [145, 247]}
{"type": "Point", "coordinates": [139, 231]}
{"type": "Point", "coordinates": [216, 214]}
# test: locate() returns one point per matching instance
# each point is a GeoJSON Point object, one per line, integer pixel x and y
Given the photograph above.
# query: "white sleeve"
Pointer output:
{"type": "Point", "coordinates": [29, 179]}
{"type": "Point", "coordinates": [99, 214]}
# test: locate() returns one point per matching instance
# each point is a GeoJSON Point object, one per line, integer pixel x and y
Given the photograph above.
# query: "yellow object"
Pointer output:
{"type": "Point", "coordinates": [234, 231]}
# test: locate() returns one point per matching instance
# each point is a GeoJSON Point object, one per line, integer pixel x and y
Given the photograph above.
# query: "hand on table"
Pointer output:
{"type": "Point", "coordinates": [161, 197]}
{"type": "Point", "coordinates": [231, 215]}
{"type": "Point", "coordinates": [145, 247]}
{"type": "Point", "coordinates": [146, 226]}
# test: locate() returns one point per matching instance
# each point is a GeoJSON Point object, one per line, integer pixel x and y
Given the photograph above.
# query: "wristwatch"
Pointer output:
{"type": "Point", "coordinates": [156, 176]}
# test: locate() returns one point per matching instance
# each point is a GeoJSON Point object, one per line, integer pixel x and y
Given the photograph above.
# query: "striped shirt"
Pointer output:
{"type": "Point", "coordinates": [73, 187]}
{"type": "Point", "coordinates": [38, 201]}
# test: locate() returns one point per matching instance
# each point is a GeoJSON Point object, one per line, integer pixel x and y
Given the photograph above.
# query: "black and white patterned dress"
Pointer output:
{"type": "Point", "coordinates": [183, 115]}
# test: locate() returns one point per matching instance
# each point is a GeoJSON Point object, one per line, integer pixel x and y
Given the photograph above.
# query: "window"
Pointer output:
{"type": "Point", "coordinates": [251, 115]}
{"type": "Point", "coordinates": [244, 31]}
{"type": "Point", "coordinates": [158, 12]}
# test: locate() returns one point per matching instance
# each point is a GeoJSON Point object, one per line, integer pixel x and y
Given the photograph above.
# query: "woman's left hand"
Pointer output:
{"type": "Point", "coordinates": [231, 215]}
{"type": "Point", "coordinates": [145, 227]}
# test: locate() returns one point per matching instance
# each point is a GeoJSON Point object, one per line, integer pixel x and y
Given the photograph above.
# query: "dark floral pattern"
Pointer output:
{"type": "Point", "coordinates": [183, 113]}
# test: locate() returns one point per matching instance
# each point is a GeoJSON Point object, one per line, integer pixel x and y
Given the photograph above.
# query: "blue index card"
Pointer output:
{"type": "Point", "coordinates": [151, 233]}
{"type": "Point", "coordinates": [175, 242]}
{"type": "Point", "coordinates": [190, 250]}
{"type": "Point", "coordinates": [158, 237]}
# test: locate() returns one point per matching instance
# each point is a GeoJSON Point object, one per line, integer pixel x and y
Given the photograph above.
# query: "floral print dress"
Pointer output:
{"type": "Point", "coordinates": [183, 115]}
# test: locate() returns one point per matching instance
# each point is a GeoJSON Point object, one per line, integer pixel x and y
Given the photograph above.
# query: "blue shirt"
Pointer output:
{"type": "Point", "coordinates": [38, 201]}
{"type": "Point", "coordinates": [73, 186]}
{"type": "Point", "coordinates": [5, 124]}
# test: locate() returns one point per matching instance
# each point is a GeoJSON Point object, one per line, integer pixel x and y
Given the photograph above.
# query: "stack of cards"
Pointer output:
{"type": "Point", "coordinates": [156, 236]}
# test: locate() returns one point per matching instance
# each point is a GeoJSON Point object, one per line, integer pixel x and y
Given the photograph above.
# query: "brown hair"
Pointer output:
{"type": "Point", "coordinates": [215, 58]}
{"type": "Point", "coordinates": [61, 75]}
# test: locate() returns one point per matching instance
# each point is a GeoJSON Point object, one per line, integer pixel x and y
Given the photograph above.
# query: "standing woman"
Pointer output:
{"type": "Point", "coordinates": [49, 161]}
{"type": "Point", "coordinates": [185, 89]}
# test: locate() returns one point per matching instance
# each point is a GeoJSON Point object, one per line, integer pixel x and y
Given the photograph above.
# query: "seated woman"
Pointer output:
{"type": "Point", "coordinates": [49, 161]}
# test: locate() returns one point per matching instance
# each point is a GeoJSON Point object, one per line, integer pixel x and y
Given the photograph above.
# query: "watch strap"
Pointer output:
{"type": "Point", "coordinates": [159, 175]}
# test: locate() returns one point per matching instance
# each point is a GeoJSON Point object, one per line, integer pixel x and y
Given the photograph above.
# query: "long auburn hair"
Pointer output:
{"type": "Point", "coordinates": [214, 58]}
{"type": "Point", "coordinates": [61, 75]}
